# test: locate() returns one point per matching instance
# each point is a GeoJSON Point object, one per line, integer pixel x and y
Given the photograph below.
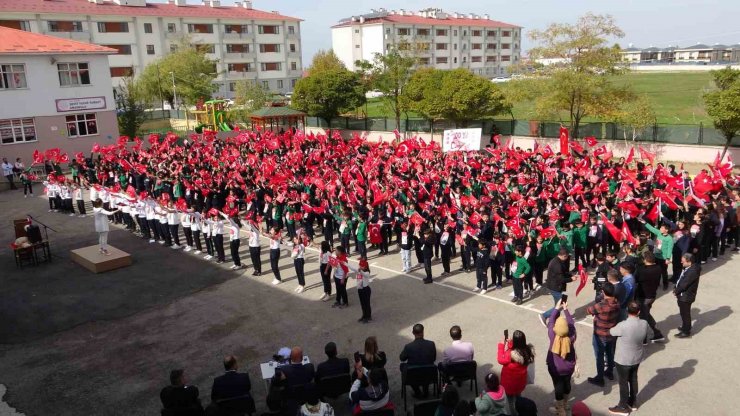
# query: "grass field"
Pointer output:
{"type": "Point", "coordinates": [676, 97]}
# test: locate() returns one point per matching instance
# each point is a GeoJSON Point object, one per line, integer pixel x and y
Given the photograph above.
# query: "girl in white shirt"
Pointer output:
{"type": "Point", "coordinates": [150, 208]}
{"type": "Point", "coordinates": [49, 189]}
{"type": "Point", "coordinates": [234, 241]}
{"type": "Point", "coordinates": [298, 261]}
{"type": "Point", "coordinates": [164, 229]}
{"type": "Point", "coordinates": [77, 195]}
{"type": "Point", "coordinates": [255, 249]}
{"type": "Point", "coordinates": [173, 219]}
{"type": "Point", "coordinates": [195, 227]}
{"type": "Point", "coordinates": [205, 226]}
{"type": "Point", "coordinates": [217, 233]}
{"type": "Point", "coordinates": [101, 225]}
{"type": "Point", "coordinates": [325, 270]}
{"type": "Point", "coordinates": [275, 239]}
{"type": "Point", "coordinates": [363, 290]}
{"type": "Point", "coordinates": [186, 221]}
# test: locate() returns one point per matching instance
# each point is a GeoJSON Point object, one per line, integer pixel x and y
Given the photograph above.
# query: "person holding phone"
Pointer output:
{"type": "Point", "coordinates": [515, 356]}
{"type": "Point", "coordinates": [561, 354]}
{"type": "Point", "coordinates": [557, 277]}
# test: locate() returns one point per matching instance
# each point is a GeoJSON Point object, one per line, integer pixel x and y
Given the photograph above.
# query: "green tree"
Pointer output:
{"type": "Point", "coordinates": [249, 97]}
{"type": "Point", "coordinates": [635, 116]}
{"type": "Point", "coordinates": [581, 85]}
{"type": "Point", "coordinates": [326, 94]}
{"type": "Point", "coordinates": [390, 74]}
{"type": "Point", "coordinates": [131, 108]}
{"type": "Point", "coordinates": [423, 94]}
{"type": "Point", "coordinates": [325, 61]}
{"type": "Point", "coordinates": [193, 76]}
{"type": "Point", "coordinates": [723, 105]}
{"type": "Point", "coordinates": [470, 97]}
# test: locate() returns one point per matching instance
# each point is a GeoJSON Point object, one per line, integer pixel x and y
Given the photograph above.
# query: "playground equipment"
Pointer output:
{"type": "Point", "coordinates": [213, 116]}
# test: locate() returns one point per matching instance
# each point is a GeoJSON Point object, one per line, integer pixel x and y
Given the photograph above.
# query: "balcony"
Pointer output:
{"type": "Point", "coordinates": [240, 55]}
{"type": "Point", "coordinates": [81, 35]}
{"type": "Point", "coordinates": [241, 74]}
{"type": "Point", "coordinates": [237, 35]}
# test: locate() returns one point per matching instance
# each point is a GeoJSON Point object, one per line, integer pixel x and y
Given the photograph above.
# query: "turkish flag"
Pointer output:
{"type": "Point", "coordinates": [416, 219]}
{"type": "Point", "coordinates": [548, 233]}
{"type": "Point", "coordinates": [51, 154]}
{"type": "Point", "coordinates": [644, 154]}
{"type": "Point", "coordinates": [600, 151]}
{"type": "Point", "coordinates": [474, 218]}
{"type": "Point", "coordinates": [583, 277]}
{"type": "Point", "coordinates": [627, 233]}
{"type": "Point", "coordinates": [38, 157]}
{"type": "Point", "coordinates": [591, 141]}
{"type": "Point", "coordinates": [613, 230]}
{"type": "Point", "coordinates": [564, 141]}
{"type": "Point", "coordinates": [375, 237]}
{"type": "Point", "coordinates": [63, 158]}
{"type": "Point", "coordinates": [630, 156]}
{"type": "Point", "coordinates": [576, 146]}
{"type": "Point", "coordinates": [654, 212]}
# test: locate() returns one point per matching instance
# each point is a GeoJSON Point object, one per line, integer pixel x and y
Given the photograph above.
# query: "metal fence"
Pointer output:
{"type": "Point", "coordinates": [659, 133]}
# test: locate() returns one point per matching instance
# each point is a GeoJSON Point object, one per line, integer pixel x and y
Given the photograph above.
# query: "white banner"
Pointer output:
{"type": "Point", "coordinates": [80, 104]}
{"type": "Point", "coordinates": [461, 140]}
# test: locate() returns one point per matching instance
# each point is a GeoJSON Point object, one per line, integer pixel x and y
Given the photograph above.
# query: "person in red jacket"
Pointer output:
{"type": "Point", "coordinates": [515, 355]}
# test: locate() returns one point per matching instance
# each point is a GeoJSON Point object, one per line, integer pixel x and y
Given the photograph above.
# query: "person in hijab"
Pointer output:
{"type": "Point", "coordinates": [561, 356]}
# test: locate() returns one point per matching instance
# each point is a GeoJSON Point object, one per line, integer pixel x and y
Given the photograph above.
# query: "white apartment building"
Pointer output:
{"type": "Point", "coordinates": [439, 39]}
{"type": "Point", "coordinates": [56, 93]}
{"type": "Point", "coordinates": [246, 43]}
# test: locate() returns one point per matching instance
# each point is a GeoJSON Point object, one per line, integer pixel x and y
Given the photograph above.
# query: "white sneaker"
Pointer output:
{"type": "Point", "coordinates": [161, 242]}
{"type": "Point", "coordinates": [151, 240]}
{"type": "Point", "coordinates": [323, 296]}
{"type": "Point", "coordinates": [234, 267]}
{"type": "Point", "coordinates": [537, 287]}
{"type": "Point", "coordinates": [477, 289]}
{"type": "Point", "coordinates": [26, 196]}
{"type": "Point", "coordinates": [275, 282]}
{"type": "Point", "coordinates": [207, 257]}
{"type": "Point", "coordinates": [187, 249]}
{"type": "Point", "coordinates": [72, 215]}
{"type": "Point", "coordinates": [196, 252]}
{"type": "Point", "coordinates": [483, 292]}
{"type": "Point", "coordinates": [327, 297]}
{"type": "Point", "coordinates": [299, 289]}
{"type": "Point", "coordinates": [714, 259]}
{"type": "Point", "coordinates": [51, 210]}
{"type": "Point", "coordinates": [175, 247]}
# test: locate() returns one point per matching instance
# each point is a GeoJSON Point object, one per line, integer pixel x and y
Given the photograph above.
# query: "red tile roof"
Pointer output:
{"type": "Point", "coordinates": [15, 42]}
{"type": "Point", "coordinates": [419, 20]}
{"type": "Point", "coordinates": [84, 7]}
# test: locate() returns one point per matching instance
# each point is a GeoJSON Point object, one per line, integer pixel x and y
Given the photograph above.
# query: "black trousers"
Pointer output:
{"type": "Point", "coordinates": [428, 268]}
{"type": "Point", "coordinates": [274, 259]}
{"type": "Point", "coordinates": [209, 244]}
{"type": "Point", "coordinates": [164, 230]}
{"type": "Point", "coordinates": [627, 375]}
{"type": "Point", "coordinates": [344, 241]}
{"type": "Point", "coordinates": [144, 227]}
{"type": "Point", "coordinates": [174, 231]}
{"type": "Point", "coordinates": [341, 291]}
{"type": "Point", "coordinates": [154, 226]}
{"type": "Point", "coordinates": [580, 254]}
{"type": "Point", "coordinates": [362, 248]}
{"type": "Point", "coordinates": [81, 207]}
{"type": "Point", "coordinates": [196, 240]}
{"type": "Point", "coordinates": [28, 188]}
{"type": "Point", "coordinates": [645, 314]}
{"type": "Point", "coordinates": [325, 271]}
{"type": "Point", "coordinates": [561, 385]}
{"type": "Point", "coordinates": [481, 278]}
{"type": "Point", "coordinates": [188, 235]}
{"type": "Point", "coordinates": [446, 255]}
{"type": "Point", "coordinates": [255, 253]}
{"type": "Point", "coordinates": [234, 246]}
{"type": "Point", "coordinates": [218, 245]}
{"type": "Point", "coordinates": [518, 287]}
{"type": "Point", "coordinates": [663, 270]}
{"type": "Point", "coordinates": [684, 308]}
{"type": "Point", "coordinates": [364, 293]}
{"type": "Point", "coordinates": [298, 264]}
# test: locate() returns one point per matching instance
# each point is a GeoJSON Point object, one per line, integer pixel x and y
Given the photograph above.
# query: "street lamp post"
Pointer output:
{"type": "Point", "coordinates": [174, 90]}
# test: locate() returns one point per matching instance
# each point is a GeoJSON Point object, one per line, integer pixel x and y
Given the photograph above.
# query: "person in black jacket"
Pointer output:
{"type": "Point", "coordinates": [427, 249]}
{"type": "Point", "coordinates": [685, 292]}
{"type": "Point", "coordinates": [446, 243]}
{"type": "Point", "coordinates": [648, 277]}
{"type": "Point", "coordinates": [232, 384]}
{"type": "Point", "coordinates": [333, 366]}
{"type": "Point", "coordinates": [418, 352]}
{"type": "Point", "coordinates": [180, 399]}
{"type": "Point", "coordinates": [482, 261]}
{"type": "Point", "coordinates": [557, 278]}
{"type": "Point", "coordinates": [602, 267]}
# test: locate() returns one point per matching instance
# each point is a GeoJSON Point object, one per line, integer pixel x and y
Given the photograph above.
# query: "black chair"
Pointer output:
{"type": "Point", "coordinates": [183, 411]}
{"type": "Point", "coordinates": [422, 375]}
{"type": "Point", "coordinates": [461, 371]}
{"type": "Point", "coordinates": [427, 408]}
{"type": "Point", "coordinates": [335, 386]}
{"type": "Point", "coordinates": [379, 412]}
{"type": "Point", "coordinates": [235, 406]}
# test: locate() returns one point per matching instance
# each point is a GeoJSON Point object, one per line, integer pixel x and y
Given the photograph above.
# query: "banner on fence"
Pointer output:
{"type": "Point", "coordinates": [461, 140]}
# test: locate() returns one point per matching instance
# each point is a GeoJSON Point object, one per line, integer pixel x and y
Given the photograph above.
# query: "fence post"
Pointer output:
{"type": "Point", "coordinates": [366, 125]}
{"type": "Point", "coordinates": [513, 124]}
{"type": "Point", "coordinates": [701, 132]}
{"type": "Point", "coordinates": [655, 132]}
{"type": "Point", "coordinates": [385, 123]}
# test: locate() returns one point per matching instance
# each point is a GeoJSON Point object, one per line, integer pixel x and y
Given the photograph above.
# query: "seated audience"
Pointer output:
{"type": "Point", "coordinates": [419, 352]}
{"type": "Point", "coordinates": [369, 390]}
{"type": "Point", "coordinates": [459, 350]}
{"type": "Point", "coordinates": [180, 399]}
{"type": "Point", "coordinates": [333, 365]}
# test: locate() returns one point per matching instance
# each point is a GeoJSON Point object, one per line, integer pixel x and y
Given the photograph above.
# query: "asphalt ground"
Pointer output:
{"type": "Point", "coordinates": [73, 342]}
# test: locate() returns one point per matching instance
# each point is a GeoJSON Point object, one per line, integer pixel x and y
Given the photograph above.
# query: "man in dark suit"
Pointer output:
{"type": "Point", "coordinates": [685, 292]}
{"type": "Point", "coordinates": [294, 379]}
{"type": "Point", "coordinates": [179, 399]}
{"type": "Point", "coordinates": [233, 387]}
{"type": "Point", "coordinates": [333, 366]}
{"type": "Point", "coordinates": [418, 352]}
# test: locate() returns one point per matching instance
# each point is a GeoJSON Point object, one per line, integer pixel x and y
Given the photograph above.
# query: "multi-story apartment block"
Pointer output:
{"type": "Point", "coordinates": [699, 53]}
{"type": "Point", "coordinates": [246, 43]}
{"type": "Point", "coordinates": [437, 39]}
{"type": "Point", "coordinates": [55, 93]}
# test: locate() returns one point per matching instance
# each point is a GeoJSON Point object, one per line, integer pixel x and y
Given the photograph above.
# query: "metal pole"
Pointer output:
{"type": "Point", "coordinates": [174, 92]}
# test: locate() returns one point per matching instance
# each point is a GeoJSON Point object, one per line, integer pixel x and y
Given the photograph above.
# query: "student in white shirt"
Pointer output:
{"type": "Point", "coordinates": [49, 189]}
{"type": "Point", "coordinates": [66, 195]}
{"type": "Point", "coordinates": [255, 249]}
{"type": "Point", "coordinates": [325, 270]}
{"type": "Point", "coordinates": [363, 290]}
{"type": "Point", "coordinates": [298, 262]}
{"type": "Point", "coordinates": [195, 224]}
{"type": "Point", "coordinates": [173, 219]}
{"type": "Point", "coordinates": [217, 236]}
{"type": "Point", "coordinates": [101, 225]}
{"type": "Point", "coordinates": [275, 239]}
{"type": "Point", "coordinates": [151, 219]}
{"type": "Point", "coordinates": [140, 208]}
{"type": "Point", "coordinates": [205, 226]}
{"type": "Point", "coordinates": [186, 221]}
{"type": "Point", "coordinates": [234, 241]}
{"type": "Point", "coordinates": [164, 229]}
{"type": "Point", "coordinates": [77, 195]}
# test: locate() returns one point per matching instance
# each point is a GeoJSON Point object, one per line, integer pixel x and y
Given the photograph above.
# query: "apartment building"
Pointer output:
{"type": "Point", "coordinates": [698, 53]}
{"type": "Point", "coordinates": [250, 44]}
{"type": "Point", "coordinates": [55, 93]}
{"type": "Point", "coordinates": [438, 39]}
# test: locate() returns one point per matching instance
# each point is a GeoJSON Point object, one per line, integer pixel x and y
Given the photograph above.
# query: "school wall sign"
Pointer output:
{"type": "Point", "coordinates": [80, 104]}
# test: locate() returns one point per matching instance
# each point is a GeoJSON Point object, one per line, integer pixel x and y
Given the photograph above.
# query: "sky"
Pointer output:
{"type": "Point", "coordinates": [645, 22]}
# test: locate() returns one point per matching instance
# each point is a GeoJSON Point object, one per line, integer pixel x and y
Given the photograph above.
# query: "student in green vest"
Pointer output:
{"type": "Point", "coordinates": [361, 234]}
{"type": "Point", "coordinates": [580, 232]}
{"type": "Point", "coordinates": [519, 268]}
{"type": "Point", "coordinates": [663, 249]}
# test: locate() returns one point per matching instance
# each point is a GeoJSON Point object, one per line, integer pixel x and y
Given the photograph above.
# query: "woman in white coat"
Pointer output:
{"type": "Point", "coordinates": [101, 224]}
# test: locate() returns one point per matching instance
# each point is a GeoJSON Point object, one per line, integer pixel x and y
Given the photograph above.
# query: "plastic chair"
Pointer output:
{"type": "Point", "coordinates": [461, 371]}
{"type": "Point", "coordinates": [427, 408]}
{"type": "Point", "coordinates": [423, 375]}
{"type": "Point", "coordinates": [335, 386]}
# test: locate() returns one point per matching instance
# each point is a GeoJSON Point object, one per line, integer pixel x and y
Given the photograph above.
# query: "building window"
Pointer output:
{"type": "Point", "coordinates": [404, 32]}
{"type": "Point", "coordinates": [232, 86]}
{"type": "Point", "coordinates": [266, 85]}
{"type": "Point", "coordinates": [476, 46]}
{"type": "Point", "coordinates": [292, 83]}
{"type": "Point", "coordinates": [173, 48]}
{"type": "Point", "coordinates": [424, 61]}
{"type": "Point", "coordinates": [64, 26]}
{"type": "Point", "coordinates": [441, 32]}
{"type": "Point", "coordinates": [269, 30]}
{"type": "Point", "coordinates": [236, 29]}
{"type": "Point", "coordinates": [465, 46]}
{"type": "Point", "coordinates": [200, 28]}
{"type": "Point", "coordinates": [465, 33]}
{"type": "Point", "coordinates": [292, 47]}
{"type": "Point", "coordinates": [171, 28]}
{"type": "Point", "coordinates": [441, 59]}
{"type": "Point", "coordinates": [237, 48]}
{"type": "Point", "coordinates": [12, 77]}
{"type": "Point", "coordinates": [122, 49]}
{"type": "Point", "coordinates": [490, 59]}
{"type": "Point", "coordinates": [271, 66]}
{"type": "Point", "coordinates": [454, 46]}
{"type": "Point", "coordinates": [387, 31]}
{"type": "Point", "coordinates": [505, 58]}
{"type": "Point", "coordinates": [505, 46]}
{"type": "Point", "coordinates": [454, 32]}
{"type": "Point", "coordinates": [491, 33]}
{"type": "Point", "coordinates": [477, 33]}
{"type": "Point", "coordinates": [357, 46]}
{"type": "Point", "coordinates": [476, 59]}
{"type": "Point", "coordinates": [280, 84]}
{"type": "Point", "coordinates": [516, 46]}
{"type": "Point", "coordinates": [24, 25]}
{"type": "Point", "coordinates": [206, 48]}
{"type": "Point", "coordinates": [73, 74]}
{"type": "Point", "coordinates": [80, 125]}
{"type": "Point", "coordinates": [465, 59]}
{"type": "Point", "coordinates": [147, 28]}
{"type": "Point", "coordinates": [17, 130]}
{"type": "Point", "coordinates": [150, 49]}
{"type": "Point", "coordinates": [422, 32]}
{"type": "Point", "coordinates": [291, 30]}
{"type": "Point", "coordinates": [121, 71]}
{"type": "Point", "coordinates": [506, 33]}
{"type": "Point", "coordinates": [441, 47]}
{"type": "Point", "coordinates": [269, 47]}
{"type": "Point", "coordinates": [112, 27]}
{"type": "Point", "coordinates": [293, 66]}
{"type": "Point", "coordinates": [454, 60]}
{"type": "Point", "coordinates": [245, 67]}
{"type": "Point", "coordinates": [491, 46]}
{"type": "Point", "coordinates": [357, 30]}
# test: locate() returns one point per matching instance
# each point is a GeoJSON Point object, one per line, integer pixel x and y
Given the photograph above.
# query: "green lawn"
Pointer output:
{"type": "Point", "coordinates": [676, 97]}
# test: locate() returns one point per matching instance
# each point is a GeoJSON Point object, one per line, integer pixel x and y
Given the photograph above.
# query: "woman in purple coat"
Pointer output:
{"type": "Point", "coordinates": [561, 356]}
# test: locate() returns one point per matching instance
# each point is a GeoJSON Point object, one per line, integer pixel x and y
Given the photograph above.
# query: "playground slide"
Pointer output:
{"type": "Point", "coordinates": [224, 127]}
